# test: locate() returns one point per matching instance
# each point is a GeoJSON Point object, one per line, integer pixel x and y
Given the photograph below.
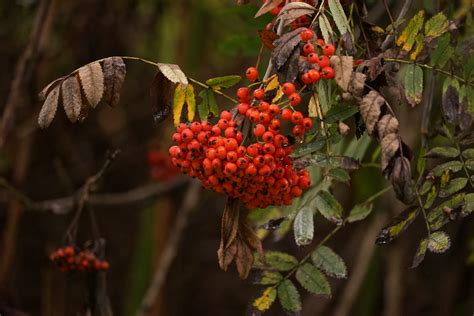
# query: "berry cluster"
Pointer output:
{"type": "Point", "coordinates": [321, 64]}
{"type": "Point", "coordinates": [259, 173]}
{"type": "Point", "coordinates": [161, 168]}
{"type": "Point", "coordinates": [70, 258]}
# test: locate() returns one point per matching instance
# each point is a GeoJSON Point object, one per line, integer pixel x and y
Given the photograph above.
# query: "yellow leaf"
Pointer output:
{"type": "Point", "coordinates": [178, 103]}
{"type": "Point", "coordinates": [377, 29]}
{"type": "Point", "coordinates": [266, 300]}
{"type": "Point", "coordinates": [272, 83]}
{"type": "Point", "coordinates": [278, 95]}
{"type": "Point", "coordinates": [312, 110]}
{"type": "Point", "coordinates": [407, 38]}
{"type": "Point", "coordinates": [191, 102]}
{"type": "Point", "coordinates": [419, 46]}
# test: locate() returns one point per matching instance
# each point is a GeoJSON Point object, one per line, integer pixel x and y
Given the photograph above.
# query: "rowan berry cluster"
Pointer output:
{"type": "Point", "coordinates": [71, 258]}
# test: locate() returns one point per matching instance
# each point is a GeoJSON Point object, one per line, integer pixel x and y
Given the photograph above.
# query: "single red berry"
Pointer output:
{"type": "Point", "coordinates": [313, 58]}
{"type": "Point", "coordinates": [195, 127]}
{"type": "Point", "coordinates": [305, 78]}
{"type": "Point", "coordinates": [252, 74]}
{"type": "Point", "coordinates": [258, 94]}
{"type": "Point", "coordinates": [243, 108]}
{"type": "Point", "coordinates": [327, 73]}
{"type": "Point", "coordinates": [243, 93]}
{"type": "Point", "coordinates": [267, 137]}
{"type": "Point", "coordinates": [329, 50]}
{"type": "Point", "coordinates": [295, 99]}
{"type": "Point", "coordinates": [306, 34]}
{"type": "Point", "coordinates": [274, 109]}
{"type": "Point", "coordinates": [298, 131]}
{"type": "Point", "coordinates": [320, 42]}
{"type": "Point", "coordinates": [226, 115]}
{"type": "Point", "coordinates": [324, 61]}
{"type": "Point", "coordinates": [308, 48]}
{"type": "Point", "coordinates": [307, 123]}
{"type": "Point", "coordinates": [288, 88]}
{"type": "Point", "coordinates": [263, 106]}
{"type": "Point", "coordinates": [314, 75]}
{"type": "Point", "coordinates": [297, 117]}
{"type": "Point", "coordinates": [259, 130]}
{"type": "Point", "coordinates": [286, 114]}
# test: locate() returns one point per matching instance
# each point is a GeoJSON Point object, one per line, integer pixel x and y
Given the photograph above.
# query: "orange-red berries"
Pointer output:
{"type": "Point", "coordinates": [70, 258]}
{"type": "Point", "coordinates": [307, 35]}
{"type": "Point", "coordinates": [252, 74]}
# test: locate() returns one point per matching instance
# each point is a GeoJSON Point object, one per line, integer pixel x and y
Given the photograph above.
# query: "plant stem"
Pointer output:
{"type": "Point", "coordinates": [420, 203]}
{"type": "Point", "coordinates": [215, 91]}
{"type": "Point", "coordinates": [378, 194]}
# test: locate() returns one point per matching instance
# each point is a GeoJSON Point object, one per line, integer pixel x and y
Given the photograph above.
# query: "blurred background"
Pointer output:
{"type": "Point", "coordinates": [43, 40]}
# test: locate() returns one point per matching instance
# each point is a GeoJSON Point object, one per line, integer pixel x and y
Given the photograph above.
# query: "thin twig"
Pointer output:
{"type": "Point", "coordinates": [171, 249]}
{"type": "Point", "coordinates": [391, 37]}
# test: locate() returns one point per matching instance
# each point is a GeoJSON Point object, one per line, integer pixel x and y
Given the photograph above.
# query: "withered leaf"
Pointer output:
{"type": "Point", "coordinates": [289, 72]}
{"type": "Point", "coordinates": [268, 37]}
{"type": "Point", "coordinates": [72, 99]}
{"type": "Point", "coordinates": [375, 67]}
{"type": "Point", "coordinates": [388, 124]}
{"type": "Point", "coordinates": [44, 93]}
{"type": "Point", "coordinates": [267, 7]}
{"type": "Point", "coordinates": [450, 104]}
{"type": "Point", "coordinates": [114, 76]}
{"type": "Point", "coordinates": [357, 83]}
{"type": "Point", "coordinates": [243, 259]}
{"type": "Point", "coordinates": [229, 230]}
{"type": "Point", "coordinates": [161, 95]}
{"type": "Point", "coordinates": [390, 144]}
{"type": "Point", "coordinates": [293, 10]}
{"type": "Point", "coordinates": [370, 108]}
{"type": "Point", "coordinates": [402, 181]}
{"type": "Point", "coordinates": [284, 47]}
{"type": "Point", "coordinates": [343, 128]}
{"type": "Point", "coordinates": [342, 70]}
{"type": "Point", "coordinates": [92, 82]}
{"type": "Point", "coordinates": [174, 74]}
{"type": "Point", "coordinates": [50, 105]}
{"type": "Point", "coordinates": [397, 225]}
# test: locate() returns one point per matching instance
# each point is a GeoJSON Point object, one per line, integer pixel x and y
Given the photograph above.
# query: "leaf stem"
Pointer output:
{"type": "Point", "coordinates": [214, 90]}
{"type": "Point", "coordinates": [420, 203]}
{"type": "Point", "coordinates": [378, 194]}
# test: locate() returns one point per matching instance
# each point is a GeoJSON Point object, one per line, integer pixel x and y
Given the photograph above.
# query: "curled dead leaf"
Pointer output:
{"type": "Point", "coordinates": [92, 83]}
{"type": "Point", "coordinates": [284, 47]}
{"type": "Point", "coordinates": [72, 98]}
{"type": "Point", "coordinates": [114, 76]}
{"type": "Point", "coordinates": [50, 106]}
{"type": "Point", "coordinates": [390, 144]}
{"type": "Point", "coordinates": [402, 181]}
{"type": "Point", "coordinates": [342, 70]}
{"type": "Point", "coordinates": [388, 124]}
{"type": "Point", "coordinates": [370, 109]}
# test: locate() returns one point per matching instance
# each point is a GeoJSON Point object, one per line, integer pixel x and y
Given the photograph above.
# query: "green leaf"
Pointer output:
{"type": "Point", "coordinates": [407, 38]}
{"type": "Point", "coordinates": [468, 67]}
{"type": "Point", "coordinates": [303, 226]}
{"type": "Point", "coordinates": [359, 212]}
{"type": "Point", "coordinates": [313, 280]}
{"type": "Point", "coordinates": [468, 153]}
{"type": "Point", "coordinates": [439, 242]}
{"type": "Point", "coordinates": [340, 175]}
{"type": "Point", "coordinates": [438, 216]}
{"type": "Point", "coordinates": [437, 25]}
{"type": "Point", "coordinates": [316, 144]}
{"type": "Point", "coordinates": [266, 300]}
{"type": "Point", "coordinates": [270, 278]}
{"type": "Point", "coordinates": [223, 82]}
{"type": "Point", "coordinates": [340, 112]}
{"type": "Point", "coordinates": [397, 226]}
{"type": "Point", "coordinates": [178, 103]}
{"type": "Point", "coordinates": [421, 161]}
{"type": "Point", "coordinates": [468, 204]}
{"type": "Point", "coordinates": [190, 102]}
{"type": "Point", "coordinates": [326, 29]}
{"type": "Point", "coordinates": [208, 104]}
{"type": "Point", "coordinates": [426, 187]}
{"type": "Point", "coordinates": [431, 197]}
{"type": "Point", "coordinates": [454, 166]}
{"type": "Point", "coordinates": [469, 164]}
{"type": "Point", "coordinates": [339, 16]}
{"type": "Point", "coordinates": [455, 185]}
{"type": "Point", "coordinates": [413, 84]}
{"type": "Point", "coordinates": [443, 152]}
{"type": "Point", "coordinates": [329, 207]}
{"type": "Point", "coordinates": [277, 260]}
{"type": "Point", "coordinates": [420, 253]}
{"type": "Point", "coordinates": [443, 51]}
{"type": "Point", "coordinates": [289, 296]}
{"type": "Point", "coordinates": [330, 262]}
{"type": "Point", "coordinates": [323, 97]}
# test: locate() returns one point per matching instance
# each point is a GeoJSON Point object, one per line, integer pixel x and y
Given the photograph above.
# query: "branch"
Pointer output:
{"type": "Point", "coordinates": [169, 252]}
{"type": "Point", "coordinates": [389, 39]}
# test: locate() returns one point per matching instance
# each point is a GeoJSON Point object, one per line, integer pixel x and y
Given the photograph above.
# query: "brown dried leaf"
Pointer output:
{"type": "Point", "coordinates": [289, 72]}
{"type": "Point", "coordinates": [342, 70]}
{"type": "Point", "coordinates": [284, 47]}
{"type": "Point", "coordinates": [388, 124]}
{"type": "Point", "coordinates": [114, 76]}
{"type": "Point", "coordinates": [44, 93]}
{"type": "Point", "coordinates": [161, 95]}
{"type": "Point", "coordinates": [267, 7]}
{"type": "Point", "coordinates": [343, 128]}
{"type": "Point", "coordinates": [370, 109]}
{"type": "Point", "coordinates": [72, 98]}
{"type": "Point", "coordinates": [375, 67]}
{"type": "Point", "coordinates": [357, 84]}
{"type": "Point", "coordinates": [92, 82]}
{"type": "Point", "coordinates": [401, 180]}
{"type": "Point", "coordinates": [390, 144]}
{"type": "Point", "coordinates": [174, 74]}
{"type": "Point", "coordinates": [294, 10]}
{"type": "Point", "coordinates": [243, 259]}
{"type": "Point", "coordinates": [229, 230]}
{"type": "Point", "coordinates": [268, 37]}
{"type": "Point", "coordinates": [50, 105]}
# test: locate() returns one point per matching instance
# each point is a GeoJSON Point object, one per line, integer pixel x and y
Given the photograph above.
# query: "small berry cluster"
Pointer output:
{"type": "Point", "coordinates": [320, 62]}
{"type": "Point", "coordinates": [70, 258]}
{"type": "Point", "coordinates": [260, 173]}
{"type": "Point", "coordinates": [161, 168]}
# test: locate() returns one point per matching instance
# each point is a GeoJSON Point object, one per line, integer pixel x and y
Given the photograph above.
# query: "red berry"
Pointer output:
{"type": "Point", "coordinates": [288, 88]}
{"type": "Point", "coordinates": [297, 117]}
{"type": "Point", "coordinates": [258, 94]}
{"type": "Point", "coordinates": [305, 78]}
{"type": "Point", "coordinates": [252, 74]}
{"type": "Point", "coordinates": [267, 137]}
{"type": "Point", "coordinates": [226, 115]}
{"type": "Point", "coordinates": [308, 48]}
{"type": "Point", "coordinates": [324, 61]}
{"type": "Point", "coordinates": [307, 123]}
{"type": "Point", "coordinates": [243, 108]}
{"type": "Point", "coordinates": [286, 114]}
{"type": "Point", "coordinates": [313, 58]}
{"type": "Point", "coordinates": [327, 73]}
{"type": "Point", "coordinates": [195, 127]}
{"type": "Point", "coordinates": [307, 34]}
{"type": "Point", "coordinates": [320, 42]}
{"type": "Point", "coordinates": [295, 99]}
{"type": "Point", "coordinates": [259, 130]}
{"type": "Point", "coordinates": [274, 109]}
{"type": "Point", "coordinates": [243, 93]}
{"type": "Point", "coordinates": [314, 75]}
{"type": "Point", "coordinates": [329, 50]}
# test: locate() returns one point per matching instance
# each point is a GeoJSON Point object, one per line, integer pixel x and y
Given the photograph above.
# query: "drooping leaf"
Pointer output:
{"type": "Point", "coordinates": [272, 84]}
{"type": "Point", "coordinates": [208, 104]}
{"type": "Point", "coordinates": [269, 278]}
{"type": "Point", "coordinates": [229, 230]}
{"type": "Point", "coordinates": [420, 253]}
{"type": "Point", "coordinates": [468, 153]}
{"type": "Point", "coordinates": [340, 174]}
{"type": "Point", "coordinates": [454, 166]}
{"type": "Point", "coordinates": [267, 6]}
{"type": "Point", "coordinates": [389, 145]}
{"type": "Point", "coordinates": [289, 296]}
{"type": "Point", "coordinates": [243, 258]}
{"type": "Point", "coordinates": [370, 109]}
{"type": "Point", "coordinates": [343, 68]}
{"type": "Point", "coordinates": [284, 47]}
{"type": "Point", "coordinates": [46, 90]}
{"type": "Point", "coordinates": [178, 103]}
{"type": "Point", "coordinates": [323, 95]}
{"type": "Point", "coordinates": [174, 74]}
{"type": "Point", "coordinates": [293, 10]}
{"type": "Point", "coordinates": [413, 83]}
{"type": "Point", "coordinates": [161, 96]}
{"type": "Point", "coordinates": [360, 212]}
{"type": "Point", "coordinates": [114, 76]}
{"type": "Point", "coordinates": [72, 99]}
{"type": "Point", "coordinates": [455, 185]}
{"type": "Point", "coordinates": [330, 262]}
{"type": "Point", "coordinates": [439, 242]}
{"type": "Point", "coordinates": [277, 260]}
{"type": "Point", "coordinates": [436, 25]}
{"type": "Point", "coordinates": [190, 102]}
{"type": "Point", "coordinates": [407, 38]}
{"type": "Point", "coordinates": [388, 124]}
{"type": "Point", "coordinates": [402, 181]}
{"type": "Point", "coordinates": [303, 226]}
{"type": "Point", "coordinates": [92, 82]}
{"type": "Point", "coordinates": [326, 29]}
{"type": "Point", "coordinates": [439, 216]}
{"type": "Point", "coordinates": [223, 82]}
{"type": "Point", "coordinates": [397, 226]}
{"type": "Point", "coordinates": [313, 280]}
{"type": "Point", "coordinates": [50, 105]}
{"type": "Point", "coordinates": [443, 51]}
{"type": "Point", "coordinates": [329, 207]}
{"type": "Point", "coordinates": [339, 16]}
{"type": "Point", "coordinates": [442, 152]}
{"type": "Point", "coordinates": [268, 37]}
{"type": "Point", "coordinates": [266, 300]}
{"type": "Point", "coordinates": [340, 112]}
